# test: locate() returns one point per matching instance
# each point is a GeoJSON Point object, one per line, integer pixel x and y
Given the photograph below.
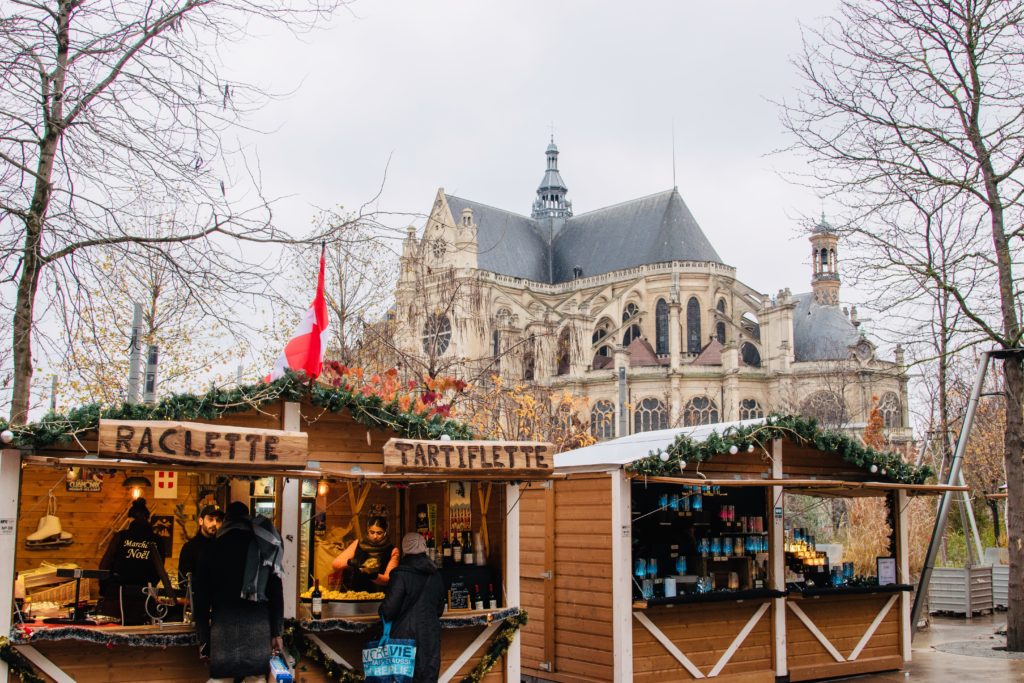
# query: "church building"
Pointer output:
{"type": "Point", "coordinates": [632, 307]}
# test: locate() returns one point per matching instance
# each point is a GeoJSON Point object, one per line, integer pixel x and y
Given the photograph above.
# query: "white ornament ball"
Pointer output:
{"type": "Point", "coordinates": [7, 436]}
{"type": "Point", "coordinates": [446, 437]}
{"type": "Point", "coordinates": [750, 448]}
{"type": "Point", "coordinates": [664, 456]}
{"type": "Point", "coordinates": [734, 449]}
{"type": "Point", "coordinates": [682, 464]}
{"type": "Point", "coordinates": [885, 472]}
{"type": "Point", "coordinates": [874, 468]}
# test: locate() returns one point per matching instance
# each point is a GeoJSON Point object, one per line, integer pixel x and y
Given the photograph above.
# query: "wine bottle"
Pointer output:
{"type": "Point", "coordinates": [446, 552]}
{"type": "Point", "coordinates": [478, 598]}
{"type": "Point", "coordinates": [316, 606]}
{"type": "Point", "coordinates": [492, 598]}
{"type": "Point", "coordinates": [456, 550]}
{"type": "Point", "coordinates": [467, 550]}
{"type": "Point", "coordinates": [431, 549]}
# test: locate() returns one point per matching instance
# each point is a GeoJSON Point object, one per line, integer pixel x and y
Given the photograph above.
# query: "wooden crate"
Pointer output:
{"type": "Point", "coordinates": [961, 591]}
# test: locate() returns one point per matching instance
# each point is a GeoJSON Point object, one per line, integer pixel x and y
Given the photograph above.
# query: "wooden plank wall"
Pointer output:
{"type": "Point", "coordinates": [94, 663]}
{"type": "Point", "coordinates": [89, 516]}
{"type": "Point", "coordinates": [532, 564]}
{"type": "Point", "coordinates": [703, 633]}
{"type": "Point", "coordinates": [843, 620]}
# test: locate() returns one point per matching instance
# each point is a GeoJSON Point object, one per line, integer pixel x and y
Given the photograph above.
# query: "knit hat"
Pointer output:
{"type": "Point", "coordinates": [237, 509]}
{"type": "Point", "coordinates": [413, 544]}
{"type": "Point", "coordinates": [138, 509]}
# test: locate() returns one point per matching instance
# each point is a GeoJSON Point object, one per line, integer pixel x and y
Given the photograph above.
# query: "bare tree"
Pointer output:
{"type": "Point", "coordinates": [107, 106]}
{"type": "Point", "coordinates": [911, 103]}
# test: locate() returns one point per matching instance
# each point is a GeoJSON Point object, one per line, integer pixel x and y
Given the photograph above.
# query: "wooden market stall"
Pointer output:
{"type": "Point", "coordinates": [318, 465]}
{"type": "Point", "coordinates": [665, 556]}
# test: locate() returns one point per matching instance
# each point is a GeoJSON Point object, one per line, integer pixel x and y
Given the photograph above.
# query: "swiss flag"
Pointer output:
{"type": "Point", "coordinates": [305, 350]}
{"type": "Point", "coordinates": [166, 485]}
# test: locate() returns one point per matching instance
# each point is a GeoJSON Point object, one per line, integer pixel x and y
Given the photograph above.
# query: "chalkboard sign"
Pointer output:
{"type": "Point", "coordinates": [458, 598]}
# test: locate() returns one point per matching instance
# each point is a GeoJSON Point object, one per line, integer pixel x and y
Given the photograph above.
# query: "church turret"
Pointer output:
{"type": "Point", "coordinates": [551, 201]}
{"type": "Point", "coordinates": [825, 279]}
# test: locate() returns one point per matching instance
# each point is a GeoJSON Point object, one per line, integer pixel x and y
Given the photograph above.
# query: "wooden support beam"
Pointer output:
{"type": "Point", "coordinates": [670, 646]}
{"type": "Point", "coordinates": [45, 665]}
{"type": "Point", "coordinates": [738, 640]}
{"type": "Point", "coordinates": [461, 660]}
{"type": "Point", "coordinates": [825, 642]}
{"type": "Point", "coordinates": [328, 650]}
{"type": "Point", "coordinates": [872, 628]}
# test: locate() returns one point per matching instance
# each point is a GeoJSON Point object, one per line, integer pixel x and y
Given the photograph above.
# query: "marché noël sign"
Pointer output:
{"type": "Point", "coordinates": [189, 442]}
{"type": "Point", "coordinates": [490, 459]}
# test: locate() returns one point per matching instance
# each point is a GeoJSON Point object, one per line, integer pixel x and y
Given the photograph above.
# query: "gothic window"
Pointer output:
{"type": "Point", "coordinates": [892, 413]}
{"type": "Point", "coordinates": [700, 410]}
{"type": "Point", "coordinates": [529, 361]}
{"type": "Point", "coordinates": [601, 332]}
{"type": "Point", "coordinates": [649, 414]}
{"type": "Point", "coordinates": [661, 326]}
{"type": "Point", "coordinates": [750, 409]}
{"type": "Point", "coordinates": [750, 355]}
{"type": "Point", "coordinates": [720, 332]}
{"type": "Point", "coordinates": [721, 306]}
{"type": "Point", "coordinates": [563, 353]}
{"type": "Point", "coordinates": [633, 332]}
{"type": "Point", "coordinates": [438, 246]}
{"type": "Point", "coordinates": [437, 333]}
{"type": "Point", "coordinates": [693, 325]}
{"type": "Point", "coordinates": [826, 407]}
{"type": "Point", "coordinates": [602, 420]}
{"type": "Point", "coordinates": [630, 311]}
{"type": "Point", "coordinates": [504, 317]}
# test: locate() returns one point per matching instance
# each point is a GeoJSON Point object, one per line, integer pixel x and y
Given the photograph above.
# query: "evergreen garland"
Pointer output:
{"type": "Point", "coordinates": [369, 410]}
{"type": "Point", "coordinates": [499, 646]}
{"type": "Point", "coordinates": [673, 460]}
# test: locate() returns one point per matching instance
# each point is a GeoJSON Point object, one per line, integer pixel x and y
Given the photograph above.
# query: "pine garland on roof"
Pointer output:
{"type": "Point", "coordinates": [367, 409]}
{"type": "Point", "coordinates": [673, 460]}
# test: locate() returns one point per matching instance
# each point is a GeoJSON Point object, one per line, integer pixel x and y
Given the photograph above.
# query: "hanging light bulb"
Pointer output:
{"type": "Point", "coordinates": [322, 488]}
{"type": "Point", "coordinates": [136, 492]}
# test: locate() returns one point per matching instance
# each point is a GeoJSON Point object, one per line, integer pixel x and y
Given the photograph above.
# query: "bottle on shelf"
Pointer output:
{"type": "Point", "coordinates": [316, 605]}
{"type": "Point", "coordinates": [492, 597]}
{"type": "Point", "coordinates": [456, 549]}
{"type": "Point", "coordinates": [431, 548]}
{"type": "Point", "coordinates": [478, 598]}
{"type": "Point", "coordinates": [446, 552]}
{"type": "Point", "coordinates": [468, 555]}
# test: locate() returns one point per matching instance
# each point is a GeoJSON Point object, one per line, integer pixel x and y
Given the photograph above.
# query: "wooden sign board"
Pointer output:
{"type": "Point", "coordinates": [192, 443]}
{"type": "Point", "coordinates": [491, 459]}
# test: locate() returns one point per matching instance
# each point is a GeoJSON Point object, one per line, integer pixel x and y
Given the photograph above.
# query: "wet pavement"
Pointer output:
{"type": "Point", "coordinates": [961, 651]}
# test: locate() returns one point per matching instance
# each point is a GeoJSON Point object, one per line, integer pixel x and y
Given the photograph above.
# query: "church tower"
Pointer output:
{"type": "Point", "coordinates": [825, 280]}
{"type": "Point", "coordinates": [551, 201]}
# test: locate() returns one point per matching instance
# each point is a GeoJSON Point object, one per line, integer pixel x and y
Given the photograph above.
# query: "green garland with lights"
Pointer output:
{"type": "Point", "coordinates": [301, 648]}
{"type": "Point", "coordinates": [369, 410]}
{"type": "Point", "coordinates": [18, 664]}
{"type": "Point", "coordinates": [672, 460]}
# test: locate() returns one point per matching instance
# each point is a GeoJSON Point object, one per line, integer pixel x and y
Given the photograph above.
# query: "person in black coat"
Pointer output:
{"type": "Point", "coordinates": [133, 560]}
{"type": "Point", "coordinates": [414, 603]}
{"type": "Point", "coordinates": [238, 633]}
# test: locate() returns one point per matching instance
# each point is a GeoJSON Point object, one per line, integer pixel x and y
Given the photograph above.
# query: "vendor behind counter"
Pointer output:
{"type": "Point", "coordinates": [134, 561]}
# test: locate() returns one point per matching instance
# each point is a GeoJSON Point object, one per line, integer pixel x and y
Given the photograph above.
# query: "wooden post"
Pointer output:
{"type": "Point", "coordinates": [549, 570]}
{"type": "Point", "coordinates": [10, 479]}
{"type": "Point", "coordinates": [777, 557]}
{"type": "Point", "coordinates": [512, 598]}
{"type": "Point", "coordinates": [903, 566]}
{"type": "Point", "coordinates": [622, 592]}
{"type": "Point", "coordinates": [291, 507]}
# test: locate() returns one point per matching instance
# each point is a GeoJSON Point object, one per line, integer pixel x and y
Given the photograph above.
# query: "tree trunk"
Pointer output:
{"type": "Point", "coordinates": [993, 506]}
{"type": "Point", "coordinates": [1014, 447]}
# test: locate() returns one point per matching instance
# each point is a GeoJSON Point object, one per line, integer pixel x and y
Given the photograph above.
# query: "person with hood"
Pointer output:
{"type": "Point", "coordinates": [414, 604]}
{"type": "Point", "coordinates": [238, 601]}
{"type": "Point", "coordinates": [134, 562]}
{"type": "Point", "coordinates": [368, 563]}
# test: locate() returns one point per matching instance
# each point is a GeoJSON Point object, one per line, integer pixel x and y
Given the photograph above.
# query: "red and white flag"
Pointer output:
{"type": "Point", "coordinates": [305, 351]}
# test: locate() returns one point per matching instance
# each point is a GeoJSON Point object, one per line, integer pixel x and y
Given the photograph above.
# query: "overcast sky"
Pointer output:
{"type": "Point", "coordinates": [462, 94]}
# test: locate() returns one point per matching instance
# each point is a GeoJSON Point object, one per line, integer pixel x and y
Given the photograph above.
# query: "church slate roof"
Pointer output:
{"type": "Point", "coordinates": [653, 229]}
{"type": "Point", "coordinates": [821, 332]}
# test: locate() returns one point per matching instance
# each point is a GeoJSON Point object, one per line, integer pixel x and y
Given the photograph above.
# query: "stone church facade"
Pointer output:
{"type": "Point", "coordinates": [632, 307]}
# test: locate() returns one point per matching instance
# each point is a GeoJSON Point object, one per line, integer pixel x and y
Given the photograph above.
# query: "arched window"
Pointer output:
{"type": "Point", "coordinates": [600, 332]}
{"type": "Point", "coordinates": [649, 414]}
{"type": "Point", "coordinates": [892, 413]}
{"type": "Point", "coordinates": [826, 407]}
{"type": "Point", "coordinates": [693, 325]}
{"type": "Point", "coordinates": [529, 360]}
{"type": "Point", "coordinates": [563, 353]}
{"type": "Point", "coordinates": [721, 306]}
{"type": "Point", "coordinates": [750, 355]}
{"type": "Point", "coordinates": [437, 333]}
{"type": "Point", "coordinates": [661, 326]}
{"type": "Point", "coordinates": [602, 420]}
{"type": "Point", "coordinates": [632, 332]}
{"type": "Point", "coordinates": [750, 409]}
{"type": "Point", "coordinates": [720, 332]}
{"type": "Point", "coordinates": [824, 260]}
{"type": "Point", "coordinates": [700, 410]}
{"type": "Point", "coordinates": [631, 310]}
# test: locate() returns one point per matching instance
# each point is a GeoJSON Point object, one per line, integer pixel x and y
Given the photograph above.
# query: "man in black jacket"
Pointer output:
{"type": "Point", "coordinates": [239, 626]}
{"type": "Point", "coordinates": [414, 603]}
{"type": "Point", "coordinates": [210, 519]}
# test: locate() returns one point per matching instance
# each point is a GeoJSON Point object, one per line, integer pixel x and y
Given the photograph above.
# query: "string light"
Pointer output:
{"type": "Point", "coordinates": [322, 487]}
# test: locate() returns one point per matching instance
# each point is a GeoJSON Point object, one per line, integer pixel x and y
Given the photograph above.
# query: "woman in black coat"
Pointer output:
{"type": "Point", "coordinates": [414, 603]}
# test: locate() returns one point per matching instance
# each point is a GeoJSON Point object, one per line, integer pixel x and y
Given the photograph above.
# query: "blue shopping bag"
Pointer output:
{"type": "Point", "coordinates": [388, 660]}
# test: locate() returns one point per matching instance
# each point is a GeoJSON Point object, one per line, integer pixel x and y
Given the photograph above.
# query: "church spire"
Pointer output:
{"type": "Point", "coordinates": [825, 264]}
{"type": "Point", "coordinates": [551, 201]}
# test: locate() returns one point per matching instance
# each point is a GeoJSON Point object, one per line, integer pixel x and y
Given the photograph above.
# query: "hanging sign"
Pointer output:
{"type": "Point", "coordinates": [189, 442]}
{"type": "Point", "coordinates": [488, 459]}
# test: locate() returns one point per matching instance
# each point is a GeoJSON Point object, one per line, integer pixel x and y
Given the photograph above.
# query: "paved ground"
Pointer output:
{"type": "Point", "coordinates": [959, 651]}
